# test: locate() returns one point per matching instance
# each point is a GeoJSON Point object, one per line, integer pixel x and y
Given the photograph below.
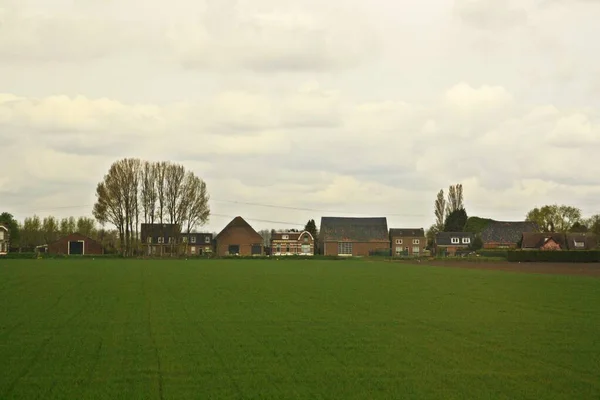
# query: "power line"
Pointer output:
{"type": "Point", "coordinates": [259, 220]}
{"type": "Point", "coordinates": [252, 204]}
{"type": "Point", "coordinates": [310, 209]}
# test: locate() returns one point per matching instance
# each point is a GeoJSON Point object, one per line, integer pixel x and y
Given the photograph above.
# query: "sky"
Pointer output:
{"type": "Point", "coordinates": [291, 110]}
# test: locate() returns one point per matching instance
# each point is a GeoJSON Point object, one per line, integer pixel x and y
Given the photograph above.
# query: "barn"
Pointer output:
{"type": "Point", "coordinates": [75, 244]}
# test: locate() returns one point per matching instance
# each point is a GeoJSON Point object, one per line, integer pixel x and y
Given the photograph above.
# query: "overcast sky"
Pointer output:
{"type": "Point", "coordinates": [344, 107]}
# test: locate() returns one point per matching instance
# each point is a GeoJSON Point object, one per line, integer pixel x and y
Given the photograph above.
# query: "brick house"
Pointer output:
{"type": "Point", "coordinates": [238, 238]}
{"type": "Point", "coordinates": [348, 236]}
{"type": "Point", "coordinates": [559, 241]}
{"type": "Point", "coordinates": [408, 242]}
{"type": "Point", "coordinates": [292, 243]}
{"type": "Point", "coordinates": [544, 241]}
{"type": "Point", "coordinates": [506, 235]}
{"type": "Point", "coordinates": [75, 244]}
{"type": "Point", "coordinates": [160, 239]}
{"type": "Point", "coordinates": [4, 239]}
{"type": "Point", "coordinates": [449, 243]}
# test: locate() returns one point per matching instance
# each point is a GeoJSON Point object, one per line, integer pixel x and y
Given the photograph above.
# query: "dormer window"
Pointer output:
{"type": "Point", "coordinates": [466, 240]}
{"type": "Point", "coordinates": [207, 239]}
{"type": "Point", "coordinates": [193, 239]}
{"type": "Point", "coordinates": [455, 240]}
{"type": "Point", "coordinates": [285, 237]}
{"type": "Point", "coordinates": [398, 241]}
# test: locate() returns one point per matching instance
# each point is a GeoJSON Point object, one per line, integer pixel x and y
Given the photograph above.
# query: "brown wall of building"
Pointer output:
{"type": "Point", "coordinates": [61, 246]}
{"type": "Point", "coordinates": [358, 248]}
{"type": "Point", "coordinates": [238, 236]}
{"type": "Point", "coordinates": [407, 241]}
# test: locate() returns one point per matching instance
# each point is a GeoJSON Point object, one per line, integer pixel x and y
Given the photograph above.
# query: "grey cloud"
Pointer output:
{"type": "Point", "coordinates": [490, 14]}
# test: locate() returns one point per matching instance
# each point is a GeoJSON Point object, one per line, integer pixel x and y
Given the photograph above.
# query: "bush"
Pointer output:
{"type": "Point", "coordinates": [592, 256]}
{"type": "Point", "coordinates": [493, 253]}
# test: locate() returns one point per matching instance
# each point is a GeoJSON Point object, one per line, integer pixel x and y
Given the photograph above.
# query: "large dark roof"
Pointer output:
{"type": "Point", "coordinates": [535, 240]}
{"type": "Point", "coordinates": [354, 229]}
{"type": "Point", "coordinates": [507, 232]}
{"type": "Point", "coordinates": [407, 232]}
{"type": "Point", "coordinates": [445, 238]}
{"type": "Point", "coordinates": [155, 230]}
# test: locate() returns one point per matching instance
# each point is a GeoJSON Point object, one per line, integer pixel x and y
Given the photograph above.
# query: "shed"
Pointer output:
{"type": "Point", "coordinates": [75, 244]}
{"type": "Point", "coordinates": [349, 236]}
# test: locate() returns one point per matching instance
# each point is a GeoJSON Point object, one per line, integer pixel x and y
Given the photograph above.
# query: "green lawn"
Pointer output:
{"type": "Point", "coordinates": [114, 329]}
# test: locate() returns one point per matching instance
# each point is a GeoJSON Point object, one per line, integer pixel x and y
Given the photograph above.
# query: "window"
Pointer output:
{"type": "Point", "coordinates": [416, 250]}
{"type": "Point", "coordinates": [416, 241]}
{"type": "Point", "coordinates": [256, 249]}
{"type": "Point", "coordinates": [285, 237]}
{"type": "Point", "coordinates": [398, 250]}
{"type": "Point", "coordinates": [398, 241]}
{"type": "Point", "coordinates": [149, 239]}
{"type": "Point", "coordinates": [207, 239]}
{"type": "Point", "coordinates": [170, 240]}
{"type": "Point", "coordinates": [234, 249]}
{"type": "Point", "coordinates": [193, 249]}
{"type": "Point", "coordinates": [278, 248]}
{"type": "Point", "coordinates": [466, 240]}
{"type": "Point", "coordinates": [305, 239]}
{"type": "Point", "coordinates": [184, 239]}
{"type": "Point", "coordinates": [1, 235]}
{"type": "Point", "coordinates": [455, 240]}
{"type": "Point", "coordinates": [207, 249]}
{"type": "Point", "coordinates": [306, 249]}
{"type": "Point", "coordinates": [287, 248]}
{"type": "Point", "coordinates": [161, 239]}
{"type": "Point", "coordinates": [579, 244]}
{"type": "Point", "coordinates": [193, 239]}
{"type": "Point", "coordinates": [345, 248]}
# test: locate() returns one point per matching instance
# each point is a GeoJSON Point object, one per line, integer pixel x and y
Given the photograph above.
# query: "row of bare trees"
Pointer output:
{"type": "Point", "coordinates": [135, 191]}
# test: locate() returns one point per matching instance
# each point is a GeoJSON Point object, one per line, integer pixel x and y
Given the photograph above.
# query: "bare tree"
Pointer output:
{"type": "Point", "coordinates": [161, 186]}
{"type": "Point", "coordinates": [455, 199]}
{"type": "Point", "coordinates": [117, 200]}
{"type": "Point", "coordinates": [148, 192]}
{"type": "Point", "coordinates": [440, 211]}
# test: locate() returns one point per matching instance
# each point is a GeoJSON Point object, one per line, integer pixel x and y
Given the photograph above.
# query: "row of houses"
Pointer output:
{"type": "Point", "coordinates": [339, 236]}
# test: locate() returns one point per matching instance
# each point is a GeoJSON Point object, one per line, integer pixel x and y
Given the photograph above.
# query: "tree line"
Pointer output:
{"type": "Point", "coordinates": [35, 231]}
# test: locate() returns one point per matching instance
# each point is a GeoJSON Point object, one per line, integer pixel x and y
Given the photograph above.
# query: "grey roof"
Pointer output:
{"type": "Point", "coordinates": [445, 238]}
{"type": "Point", "coordinates": [589, 240]}
{"type": "Point", "coordinates": [407, 232]}
{"type": "Point", "coordinates": [354, 229]}
{"type": "Point", "coordinates": [507, 232]}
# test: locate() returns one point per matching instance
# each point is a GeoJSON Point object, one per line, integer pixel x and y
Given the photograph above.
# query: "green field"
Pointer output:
{"type": "Point", "coordinates": [244, 329]}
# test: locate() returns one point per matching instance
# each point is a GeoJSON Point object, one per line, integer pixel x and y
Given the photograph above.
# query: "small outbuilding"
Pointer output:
{"type": "Point", "coordinates": [76, 244]}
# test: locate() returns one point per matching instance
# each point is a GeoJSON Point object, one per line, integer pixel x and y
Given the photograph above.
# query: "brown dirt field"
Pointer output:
{"type": "Point", "coordinates": [580, 269]}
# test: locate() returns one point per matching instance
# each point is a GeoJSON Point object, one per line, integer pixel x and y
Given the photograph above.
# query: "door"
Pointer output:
{"type": "Point", "coordinates": [76, 247]}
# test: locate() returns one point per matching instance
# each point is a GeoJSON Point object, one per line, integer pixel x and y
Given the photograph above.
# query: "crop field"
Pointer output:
{"type": "Point", "coordinates": [266, 329]}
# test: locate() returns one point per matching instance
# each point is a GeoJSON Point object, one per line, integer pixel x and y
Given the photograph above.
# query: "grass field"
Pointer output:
{"type": "Point", "coordinates": [114, 329]}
